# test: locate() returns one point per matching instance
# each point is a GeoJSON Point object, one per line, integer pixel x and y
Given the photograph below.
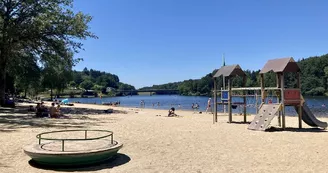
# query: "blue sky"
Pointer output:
{"type": "Point", "coordinates": [148, 42]}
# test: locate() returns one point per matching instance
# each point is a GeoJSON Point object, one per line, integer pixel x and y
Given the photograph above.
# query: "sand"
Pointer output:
{"type": "Point", "coordinates": [188, 143]}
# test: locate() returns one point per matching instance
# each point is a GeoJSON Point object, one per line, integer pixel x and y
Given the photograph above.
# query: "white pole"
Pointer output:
{"type": "Point", "coordinates": [224, 87]}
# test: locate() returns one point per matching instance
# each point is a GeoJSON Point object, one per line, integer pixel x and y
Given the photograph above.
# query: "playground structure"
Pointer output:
{"type": "Point", "coordinates": [267, 111]}
{"type": "Point", "coordinates": [62, 152]}
{"type": "Point", "coordinates": [228, 72]}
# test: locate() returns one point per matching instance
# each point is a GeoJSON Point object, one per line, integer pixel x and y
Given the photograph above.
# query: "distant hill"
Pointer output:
{"type": "Point", "coordinates": [98, 81]}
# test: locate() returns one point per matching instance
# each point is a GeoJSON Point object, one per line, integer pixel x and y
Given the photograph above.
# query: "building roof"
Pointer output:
{"type": "Point", "coordinates": [281, 65]}
{"type": "Point", "coordinates": [230, 70]}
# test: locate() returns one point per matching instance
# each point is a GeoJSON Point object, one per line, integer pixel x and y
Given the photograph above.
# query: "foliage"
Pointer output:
{"type": "Point", "coordinates": [87, 84]}
{"type": "Point", "coordinates": [314, 79]}
{"type": "Point", "coordinates": [98, 81]}
{"type": "Point", "coordinates": [38, 27]}
{"type": "Point", "coordinates": [27, 75]}
{"type": "Point", "coordinates": [319, 91]}
{"type": "Point", "coordinates": [56, 74]}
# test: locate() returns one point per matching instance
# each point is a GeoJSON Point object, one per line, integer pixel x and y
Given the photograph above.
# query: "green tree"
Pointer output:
{"type": "Point", "coordinates": [77, 78]}
{"type": "Point", "coordinates": [37, 27]}
{"type": "Point", "coordinates": [57, 72]}
{"type": "Point", "coordinates": [72, 84]}
{"type": "Point", "coordinates": [27, 75]}
{"type": "Point", "coordinates": [87, 85]}
{"type": "Point", "coordinates": [326, 76]}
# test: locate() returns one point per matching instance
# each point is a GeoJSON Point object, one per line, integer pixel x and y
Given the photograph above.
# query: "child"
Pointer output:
{"type": "Point", "coordinates": [171, 112]}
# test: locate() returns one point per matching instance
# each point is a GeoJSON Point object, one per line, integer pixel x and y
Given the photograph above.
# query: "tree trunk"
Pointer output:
{"type": "Point", "coordinates": [25, 91]}
{"type": "Point", "coordinates": [2, 85]}
{"type": "Point", "coordinates": [51, 94]}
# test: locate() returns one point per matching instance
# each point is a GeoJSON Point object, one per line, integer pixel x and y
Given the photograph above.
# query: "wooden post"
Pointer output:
{"type": "Point", "coordinates": [244, 93]}
{"type": "Point", "coordinates": [229, 100]}
{"type": "Point", "coordinates": [278, 80]}
{"type": "Point", "coordinates": [262, 88]}
{"type": "Point", "coordinates": [283, 101]}
{"type": "Point", "coordinates": [215, 115]}
{"type": "Point", "coordinates": [279, 114]}
{"type": "Point", "coordinates": [300, 107]}
{"type": "Point", "coordinates": [256, 102]}
{"type": "Point", "coordinates": [278, 99]}
{"type": "Point", "coordinates": [224, 87]}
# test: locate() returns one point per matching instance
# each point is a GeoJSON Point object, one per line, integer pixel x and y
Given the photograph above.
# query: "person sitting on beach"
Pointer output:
{"type": "Point", "coordinates": [31, 109]}
{"type": "Point", "coordinates": [40, 105]}
{"type": "Point", "coordinates": [41, 110]}
{"type": "Point", "coordinates": [58, 110]}
{"type": "Point", "coordinates": [171, 112]}
{"type": "Point", "coordinates": [59, 113]}
{"type": "Point", "coordinates": [53, 111]}
{"type": "Point", "coordinates": [38, 111]}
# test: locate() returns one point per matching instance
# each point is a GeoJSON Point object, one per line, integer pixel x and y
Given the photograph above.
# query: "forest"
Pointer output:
{"type": "Point", "coordinates": [314, 79]}
{"type": "Point", "coordinates": [65, 81]}
{"type": "Point", "coordinates": [101, 82]}
{"type": "Point", "coordinates": [68, 83]}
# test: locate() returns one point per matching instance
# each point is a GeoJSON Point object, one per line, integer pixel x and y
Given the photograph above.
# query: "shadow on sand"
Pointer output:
{"type": "Point", "coordinates": [290, 129]}
{"type": "Point", "coordinates": [12, 119]}
{"type": "Point", "coordinates": [11, 122]}
{"type": "Point", "coordinates": [117, 160]}
{"type": "Point", "coordinates": [239, 122]}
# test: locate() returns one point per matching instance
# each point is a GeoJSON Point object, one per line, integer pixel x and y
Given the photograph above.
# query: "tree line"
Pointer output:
{"type": "Point", "coordinates": [314, 79]}
{"type": "Point", "coordinates": [34, 81]}
{"type": "Point", "coordinates": [99, 81]}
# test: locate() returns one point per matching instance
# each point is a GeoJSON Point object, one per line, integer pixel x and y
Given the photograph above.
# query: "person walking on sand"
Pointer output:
{"type": "Point", "coordinates": [208, 108]}
{"type": "Point", "coordinates": [142, 104]}
{"type": "Point", "coordinates": [196, 107]}
{"type": "Point", "coordinates": [193, 107]}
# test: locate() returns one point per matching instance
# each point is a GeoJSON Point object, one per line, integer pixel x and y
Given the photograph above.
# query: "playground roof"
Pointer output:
{"type": "Point", "coordinates": [281, 65]}
{"type": "Point", "coordinates": [230, 70]}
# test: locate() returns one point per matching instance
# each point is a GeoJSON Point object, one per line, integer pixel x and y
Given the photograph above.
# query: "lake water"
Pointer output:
{"type": "Point", "coordinates": [318, 105]}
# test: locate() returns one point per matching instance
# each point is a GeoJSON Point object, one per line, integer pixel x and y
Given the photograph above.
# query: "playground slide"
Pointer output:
{"type": "Point", "coordinates": [310, 119]}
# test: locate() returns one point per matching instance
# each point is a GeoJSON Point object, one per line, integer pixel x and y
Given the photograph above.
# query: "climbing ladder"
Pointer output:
{"type": "Point", "coordinates": [266, 113]}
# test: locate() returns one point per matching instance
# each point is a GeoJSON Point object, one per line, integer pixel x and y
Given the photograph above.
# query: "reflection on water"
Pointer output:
{"type": "Point", "coordinates": [318, 105]}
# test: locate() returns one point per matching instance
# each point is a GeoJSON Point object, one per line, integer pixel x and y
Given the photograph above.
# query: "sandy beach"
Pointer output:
{"type": "Point", "coordinates": [188, 143]}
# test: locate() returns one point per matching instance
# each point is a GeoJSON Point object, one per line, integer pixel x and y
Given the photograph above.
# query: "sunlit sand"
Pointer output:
{"type": "Point", "coordinates": [187, 143]}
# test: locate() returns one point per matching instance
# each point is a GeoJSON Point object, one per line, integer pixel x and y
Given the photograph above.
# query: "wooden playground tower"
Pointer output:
{"type": "Point", "coordinates": [228, 72]}
{"type": "Point", "coordinates": [288, 96]}
{"type": "Point", "coordinates": [285, 96]}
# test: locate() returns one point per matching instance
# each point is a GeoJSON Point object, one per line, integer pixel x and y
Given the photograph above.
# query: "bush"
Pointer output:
{"type": "Point", "coordinates": [319, 91]}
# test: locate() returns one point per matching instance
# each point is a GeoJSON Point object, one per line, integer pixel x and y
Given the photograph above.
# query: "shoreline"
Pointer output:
{"type": "Point", "coordinates": [100, 106]}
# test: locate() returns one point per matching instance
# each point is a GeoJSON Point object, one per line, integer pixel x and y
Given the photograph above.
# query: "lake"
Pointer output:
{"type": "Point", "coordinates": [318, 105]}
